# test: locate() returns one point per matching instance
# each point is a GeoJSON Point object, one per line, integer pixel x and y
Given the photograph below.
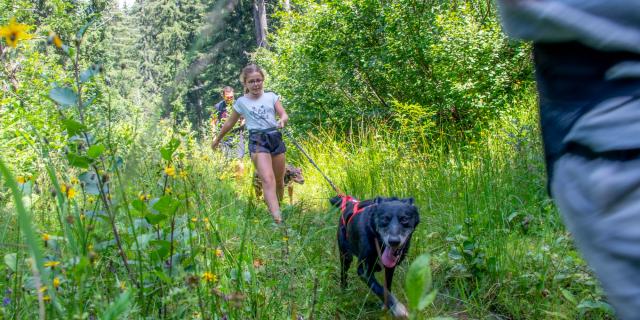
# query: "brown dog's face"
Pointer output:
{"type": "Point", "coordinates": [295, 174]}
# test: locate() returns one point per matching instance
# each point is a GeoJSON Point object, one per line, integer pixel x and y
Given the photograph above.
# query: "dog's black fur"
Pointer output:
{"type": "Point", "coordinates": [390, 221]}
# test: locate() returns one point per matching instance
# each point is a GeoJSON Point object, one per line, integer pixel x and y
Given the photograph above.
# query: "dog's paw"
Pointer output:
{"type": "Point", "coordinates": [399, 311]}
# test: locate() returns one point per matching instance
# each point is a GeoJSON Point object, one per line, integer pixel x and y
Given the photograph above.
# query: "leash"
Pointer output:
{"type": "Point", "coordinates": [295, 143]}
{"type": "Point", "coordinates": [345, 199]}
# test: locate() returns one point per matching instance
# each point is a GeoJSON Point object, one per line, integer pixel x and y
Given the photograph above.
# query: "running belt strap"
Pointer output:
{"type": "Point", "coordinates": [267, 130]}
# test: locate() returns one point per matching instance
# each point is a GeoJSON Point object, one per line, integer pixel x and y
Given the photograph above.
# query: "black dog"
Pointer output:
{"type": "Point", "coordinates": [378, 232]}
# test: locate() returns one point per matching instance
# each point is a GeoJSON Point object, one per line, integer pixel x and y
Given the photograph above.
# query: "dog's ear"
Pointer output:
{"type": "Point", "coordinates": [408, 201]}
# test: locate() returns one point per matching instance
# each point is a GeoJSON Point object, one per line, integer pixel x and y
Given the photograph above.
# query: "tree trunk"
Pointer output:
{"type": "Point", "coordinates": [260, 20]}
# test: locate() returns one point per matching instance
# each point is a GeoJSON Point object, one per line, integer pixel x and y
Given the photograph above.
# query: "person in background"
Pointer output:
{"type": "Point", "coordinates": [266, 146]}
{"type": "Point", "coordinates": [587, 60]}
{"type": "Point", "coordinates": [233, 146]}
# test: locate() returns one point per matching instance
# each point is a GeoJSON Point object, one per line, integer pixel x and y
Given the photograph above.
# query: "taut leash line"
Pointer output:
{"type": "Point", "coordinates": [295, 142]}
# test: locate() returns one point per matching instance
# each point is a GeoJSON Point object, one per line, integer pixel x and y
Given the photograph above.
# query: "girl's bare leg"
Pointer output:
{"type": "Point", "coordinates": [263, 164]}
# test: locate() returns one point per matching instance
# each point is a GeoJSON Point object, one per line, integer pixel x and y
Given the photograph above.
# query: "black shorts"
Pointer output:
{"type": "Point", "coordinates": [267, 141]}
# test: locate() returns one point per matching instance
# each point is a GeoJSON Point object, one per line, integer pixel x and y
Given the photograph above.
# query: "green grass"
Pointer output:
{"type": "Point", "coordinates": [498, 247]}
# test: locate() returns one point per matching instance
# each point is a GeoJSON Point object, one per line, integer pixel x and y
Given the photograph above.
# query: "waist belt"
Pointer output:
{"type": "Point", "coordinates": [267, 130]}
{"type": "Point", "coordinates": [613, 155]}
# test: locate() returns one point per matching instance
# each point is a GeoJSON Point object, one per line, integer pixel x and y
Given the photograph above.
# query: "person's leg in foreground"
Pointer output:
{"type": "Point", "coordinates": [591, 130]}
{"type": "Point", "coordinates": [267, 167]}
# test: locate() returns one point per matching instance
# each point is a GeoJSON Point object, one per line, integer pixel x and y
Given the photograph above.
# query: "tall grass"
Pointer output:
{"type": "Point", "coordinates": [498, 247]}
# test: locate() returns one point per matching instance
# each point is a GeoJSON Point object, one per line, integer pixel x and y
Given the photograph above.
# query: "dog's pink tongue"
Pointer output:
{"type": "Point", "coordinates": [388, 259]}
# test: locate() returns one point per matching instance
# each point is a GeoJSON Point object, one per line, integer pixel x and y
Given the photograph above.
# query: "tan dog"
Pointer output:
{"type": "Point", "coordinates": [291, 175]}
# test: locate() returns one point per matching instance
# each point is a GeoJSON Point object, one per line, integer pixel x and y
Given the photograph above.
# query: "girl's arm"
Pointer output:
{"type": "Point", "coordinates": [226, 127]}
{"type": "Point", "coordinates": [281, 114]}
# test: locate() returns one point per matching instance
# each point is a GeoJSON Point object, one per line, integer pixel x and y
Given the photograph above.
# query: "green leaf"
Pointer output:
{"type": "Point", "coordinates": [418, 283]}
{"type": "Point", "coordinates": [143, 240]}
{"type": "Point", "coordinates": [26, 188]}
{"type": "Point", "coordinates": [155, 218]}
{"type": "Point", "coordinates": [117, 164]}
{"type": "Point", "coordinates": [73, 127]}
{"type": "Point", "coordinates": [588, 304]}
{"type": "Point", "coordinates": [88, 177]}
{"type": "Point", "coordinates": [95, 151]}
{"type": "Point", "coordinates": [160, 248]}
{"type": "Point", "coordinates": [427, 299]}
{"type": "Point", "coordinates": [168, 150]}
{"type": "Point", "coordinates": [78, 161]}
{"type": "Point", "coordinates": [89, 101]}
{"type": "Point", "coordinates": [166, 205]}
{"type": "Point", "coordinates": [67, 50]}
{"type": "Point", "coordinates": [90, 183]}
{"type": "Point", "coordinates": [65, 97]}
{"type": "Point", "coordinates": [569, 296]}
{"type": "Point", "coordinates": [11, 260]}
{"type": "Point", "coordinates": [89, 73]}
{"type": "Point", "coordinates": [138, 205]}
{"type": "Point", "coordinates": [82, 30]}
{"type": "Point", "coordinates": [118, 307]}
{"type": "Point", "coordinates": [79, 269]}
{"type": "Point", "coordinates": [162, 276]}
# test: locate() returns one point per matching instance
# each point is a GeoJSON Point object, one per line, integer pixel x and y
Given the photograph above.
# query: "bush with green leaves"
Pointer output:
{"type": "Point", "coordinates": [339, 62]}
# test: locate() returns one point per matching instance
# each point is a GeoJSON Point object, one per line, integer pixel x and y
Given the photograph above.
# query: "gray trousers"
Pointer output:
{"type": "Point", "coordinates": [600, 203]}
{"type": "Point", "coordinates": [599, 199]}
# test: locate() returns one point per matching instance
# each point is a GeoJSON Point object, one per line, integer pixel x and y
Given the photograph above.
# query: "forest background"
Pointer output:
{"type": "Point", "coordinates": [113, 205]}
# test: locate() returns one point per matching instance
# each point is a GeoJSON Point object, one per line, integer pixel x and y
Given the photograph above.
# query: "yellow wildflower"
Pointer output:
{"type": "Point", "coordinates": [144, 197]}
{"type": "Point", "coordinates": [219, 253]}
{"type": "Point", "coordinates": [55, 39]}
{"type": "Point", "coordinates": [123, 285]}
{"type": "Point", "coordinates": [170, 171]}
{"type": "Point", "coordinates": [21, 179]}
{"type": "Point", "coordinates": [71, 193]}
{"type": "Point", "coordinates": [14, 33]}
{"type": "Point", "coordinates": [74, 180]}
{"type": "Point", "coordinates": [56, 282]}
{"type": "Point", "coordinates": [68, 191]}
{"type": "Point", "coordinates": [43, 289]}
{"type": "Point", "coordinates": [52, 264]}
{"type": "Point", "coordinates": [46, 298]}
{"type": "Point", "coordinates": [168, 190]}
{"type": "Point", "coordinates": [194, 219]}
{"type": "Point", "coordinates": [285, 239]}
{"type": "Point", "coordinates": [209, 277]}
{"type": "Point", "coordinates": [183, 174]}
{"type": "Point", "coordinates": [46, 237]}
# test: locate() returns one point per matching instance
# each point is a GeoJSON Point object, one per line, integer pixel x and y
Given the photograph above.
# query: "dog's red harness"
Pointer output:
{"type": "Point", "coordinates": [343, 208]}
